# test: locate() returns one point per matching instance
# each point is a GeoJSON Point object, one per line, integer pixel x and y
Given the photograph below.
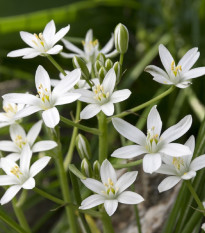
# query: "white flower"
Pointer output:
{"type": "Point", "coordinates": [8, 117]}
{"type": "Point", "coordinates": [153, 145]}
{"type": "Point", "coordinates": [91, 49]}
{"type": "Point", "coordinates": [41, 44]}
{"type": "Point", "coordinates": [180, 74]}
{"type": "Point", "coordinates": [20, 139]}
{"type": "Point", "coordinates": [180, 168]}
{"type": "Point", "coordinates": [46, 99]}
{"type": "Point", "coordinates": [20, 176]}
{"type": "Point", "coordinates": [110, 191]}
{"type": "Point", "coordinates": [102, 97]}
{"type": "Point", "coordinates": [81, 84]}
{"type": "Point", "coordinates": [203, 226]}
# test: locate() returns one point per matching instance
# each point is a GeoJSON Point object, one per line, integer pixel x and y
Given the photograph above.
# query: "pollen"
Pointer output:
{"type": "Point", "coordinates": [100, 93]}
{"type": "Point", "coordinates": [16, 171]}
{"type": "Point", "coordinates": [178, 162]}
{"type": "Point", "coordinates": [10, 109]}
{"type": "Point", "coordinates": [19, 141]}
{"type": "Point", "coordinates": [176, 69]}
{"type": "Point", "coordinates": [43, 93]}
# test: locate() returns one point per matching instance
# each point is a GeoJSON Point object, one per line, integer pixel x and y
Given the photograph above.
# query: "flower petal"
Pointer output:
{"type": "Point", "coordinates": [39, 165]}
{"type": "Point", "coordinates": [86, 96]}
{"type": "Point", "coordinates": [60, 34]}
{"type": "Point", "coordinates": [151, 163]}
{"type": "Point", "coordinates": [29, 184]}
{"type": "Point", "coordinates": [194, 73]}
{"type": "Point", "coordinates": [51, 117]}
{"type": "Point", "coordinates": [109, 81]}
{"type": "Point", "coordinates": [27, 111]}
{"type": "Point", "coordinates": [42, 79]}
{"type": "Point", "coordinates": [158, 73]}
{"type": "Point", "coordinates": [167, 170]}
{"type": "Point", "coordinates": [162, 80]}
{"type": "Point", "coordinates": [128, 197]}
{"type": "Point", "coordinates": [90, 111]}
{"type": "Point", "coordinates": [31, 55]}
{"type": "Point", "coordinates": [15, 131]}
{"type": "Point", "coordinates": [110, 206]}
{"type": "Point", "coordinates": [8, 146]}
{"type": "Point", "coordinates": [25, 159]}
{"type": "Point", "coordinates": [49, 31]}
{"type": "Point", "coordinates": [89, 36]}
{"type": "Point", "coordinates": [28, 38]}
{"type": "Point", "coordinates": [44, 146]}
{"type": "Point", "coordinates": [7, 180]}
{"type": "Point", "coordinates": [21, 52]}
{"type": "Point", "coordinates": [168, 183]}
{"type": "Point", "coordinates": [126, 180]}
{"type": "Point", "coordinates": [176, 131]}
{"type": "Point", "coordinates": [188, 175]}
{"type": "Point", "coordinates": [10, 193]}
{"type": "Point", "coordinates": [55, 50]}
{"type": "Point", "coordinates": [69, 55]}
{"type": "Point", "coordinates": [166, 58]}
{"type": "Point", "coordinates": [175, 150]}
{"type": "Point", "coordinates": [129, 152]}
{"type": "Point", "coordinates": [129, 131]}
{"type": "Point", "coordinates": [34, 132]}
{"type": "Point", "coordinates": [154, 120]}
{"type": "Point", "coordinates": [94, 185]}
{"type": "Point", "coordinates": [108, 109]}
{"type": "Point", "coordinates": [7, 164]}
{"type": "Point", "coordinates": [72, 47]}
{"type": "Point", "coordinates": [198, 163]}
{"type": "Point", "coordinates": [92, 201]}
{"type": "Point", "coordinates": [106, 49]}
{"type": "Point", "coordinates": [121, 95]}
{"type": "Point", "coordinates": [67, 98]}
{"type": "Point", "coordinates": [107, 172]}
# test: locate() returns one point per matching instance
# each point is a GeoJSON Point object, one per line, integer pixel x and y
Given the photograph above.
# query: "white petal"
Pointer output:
{"type": "Point", "coordinates": [7, 164]}
{"type": "Point", "coordinates": [191, 144]}
{"type": "Point", "coordinates": [27, 111]}
{"type": "Point", "coordinates": [14, 156]}
{"type": "Point", "coordinates": [109, 81]}
{"type": "Point", "coordinates": [28, 38]}
{"type": "Point", "coordinates": [129, 131]}
{"type": "Point", "coordinates": [49, 31]}
{"type": "Point", "coordinates": [29, 184]}
{"type": "Point", "coordinates": [162, 80]}
{"type": "Point", "coordinates": [32, 55]}
{"type": "Point", "coordinates": [60, 34]}
{"type": "Point", "coordinates": [94, 185]}
{"type": "Point", "coordinates": [110, 206]}
{"type": "Point", "coordinates": [86, 96]}
{"type": "Point", "coordinates": [176, 131]}
{"type": "Point", "coordinates": [112, 54]}
{"type": "Point", "coordinates": [39, 165]}
{"type": "Point", "coordinates": [158, 73]}
{"type": "Point", "coordinates": [25, 159]}
{"type": "Point", "coordinates": [54, 82]}
{"type": "Point", "coordinates": [69, 55]}
{"type": "Point", "coordinates": [175, 150]}
{"type": "Point", "coordinates": [8, 146]}
{"type": "Point", "coordinates": [188, 175]}
{"type": "Point", "coordinates": [119, 96]}
{"type": "Point", "coordinates": [51, 117]}
{"type": "Point", "coordinates": [126, 180]}
{"type": "Point", "coordinates": [21, 52]}
{"type": "Point", "coordinates": [34, 132]}
{"type": "Point", "coordinates": [92, 201]}
{"type": "Point", "coordinates": [167, 170]}
{"type": "Point", "coordinates": [55, 50]}
{"type": "Point", "coordinates": [151, 163]}
{"type": "Point", "coordinates": [42, 79]}
{"type": "Point", "coordinates": [90, 111]}
{"type": "Point", "coordinates": [9, 194]}
{"type": "Point", "coordinates": [194, 73]}
{"type": "Point", "coordinates": [154, 121]}
{"type": "Point", "coordinates": [7, 180]}
{"type": "Point", "coordinates": [166, 57]}
{"type": "Point", "coordinates": [198, 163]}
{"type": "Point", "coordinates": [129, 152]}
{"type": "Point", "coordinates": [89, 36]}
{"type": "Point", "coordinates": [106, 49]}
{"type": "Point", "coordinates": [72, 47]}
{"type": "Point", "coordinates": [191, 62]}
{"type": "Point", "coordinates": [67, 98]}
{"type": "Point", "coordinates": [130, 198]}
{"type": "Point", "coordinates": [43, 146]}
{"type": "Point", "coordinates": [108, 109]}
{"type": "Point", "coordinates": [168, 183]}
{"type": "Point", "coordinates": [17, 130]}
{"type": "Point", "coordinates": [183, 84]}
{"type": "Point", "coordinates": [107, 172]}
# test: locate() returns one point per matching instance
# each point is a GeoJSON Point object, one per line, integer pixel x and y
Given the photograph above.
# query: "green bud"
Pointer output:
{"type": "Point", "coordinates": [118, 71]}
{"type": "Point", "coordinates": [86, 168]}
{"type": "Point", "coordinates": [76, 172]}
{"type": "Point", "coordinates": [97, 66]}
{"type": "Point", "coordinates": [96, 169]}
{"type": "Point", "coordinates": [121, 36]}
{"type": "Point", "coordinates": [83, 147]}
{"type": "Point", "coordinates": [79, 63]}
{"type": "Point", "coordinates": [101, 57]}
{"type": "Point", "coordinates": [102, 73]}
{"type": "Point", "coordinates": [108, 64]}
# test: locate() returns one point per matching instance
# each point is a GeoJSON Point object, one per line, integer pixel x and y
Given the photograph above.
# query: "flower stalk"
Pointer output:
{"type": "Point", "coordinates": [54, 62]}
{"type": "Point", "coordinates": [107, 224]}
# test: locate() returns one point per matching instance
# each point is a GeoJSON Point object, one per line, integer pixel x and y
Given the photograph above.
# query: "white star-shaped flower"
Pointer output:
{"type": "Point", "coordinates": [180, 74]}
{"type": "Point", "coordinates": [20, 176]}
{"type": "Point", "coordinates": [46, 100]}
{"type": "Point", "coordinates": [111, 190]}
{"type": "Point", "coordinates": [41, 44]}
{"type": "Point", "coordinates": [155, 144]}
{"type": "Point", "coordinates": [180, 168]}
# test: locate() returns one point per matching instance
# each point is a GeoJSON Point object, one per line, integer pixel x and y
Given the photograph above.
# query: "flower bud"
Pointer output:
{"type": "Point", "coordinates": [97, 66]}
{"type": "Point", "coordinates": [79, 63]}
{"type": "Point", "coordinates": [102, 73]}
{"type": "Point", "coordinates": [121, 36]}
{"type": "Point", "coordinates": [118, 71]}
{"type": "Point", "coordinates": [108, 64]}
{"type": "Point", "coordinates": [101, 57]}
{"type": "Point", "coordinates": [96, 169]}
{"type": "Point", "coordinates": [86, 168]}
{"type": "Point", "coordinates": [83, 147]}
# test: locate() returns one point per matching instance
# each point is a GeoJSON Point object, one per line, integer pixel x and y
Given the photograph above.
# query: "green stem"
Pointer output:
{"type": "Point", "coordinates": [195, 196]}
{"type": "Point", "coordinates": [20, 216]}
{"type": "Point", "coordinates": [58, 67]}
{"type": "Point", "coordinates": [127, 165]}
{"type": "Point", "coordinates": [107, 224]}
{"type": "Point", "coordinates": [69, 154]}
{"type": "Point", "coordinates": [82, 127]}
{"type": "Point", "coordinates": [121, 58]}
{"type": "Point", "coordinates": [141, 106]}
{"type": "Point", "coordinates": [103, 139]}
{"type": "Point", "coordinates": [49, 196]}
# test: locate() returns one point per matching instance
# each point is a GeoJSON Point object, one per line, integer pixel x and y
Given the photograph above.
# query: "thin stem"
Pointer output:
{"type": "Point", "coordinates": [58, 67]}
{"type": "Point", "coordinates": [49, 196]}
{"type": "Point", "coordinates": [79, 126]}
{"type": "Point", "coordinates": [195, 196]}
{"type": "Point", "coordinates": [107, 224]}
{"type": "Point", "coordinates": [20, 216]}
{"type": "Point", "coordinates": [121, 58]}
{"type": "Point", "coordinates": [103, 139]}
{"type": "Point", "coordinates": [127, 165]}
{"type": "Point", "coordinates": [69, 154]}
{"type": "Point", "coordinates": [141, 106]}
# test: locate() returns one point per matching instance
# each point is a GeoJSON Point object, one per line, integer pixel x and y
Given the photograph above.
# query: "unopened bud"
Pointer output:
{"type": "Point", "coordinates": [79, 63]}
{"type": "Point", "coordinates": [101, 57]}
{"type": "Point", "coordinates": [86, 168]}
{"type": "Point", "coordinates": [102, 72]}
{"type": "Point", "coordinates": [121, 36]}
{"type": "Point", "coordinates": [96, 169]}
{"type": "Point", "coordinates": [108, 64]}
{"type": "Point", "coordinates": [97, 66]}
{"type": "Point", "coordinates": [118, 71]}
{"type": "Point", "coordinates": [83, 147]}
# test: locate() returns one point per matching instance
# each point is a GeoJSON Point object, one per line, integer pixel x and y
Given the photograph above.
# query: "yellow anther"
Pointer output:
{"type": "Point", "coordinates": [178, 162]}
{"type": "Point", "coordinates": [172, 65]}
{"type": "Point", "coordinates": [175, 69]}
{"type": "Point", "coordinates": [83, 42]}
{"type": "Point", "coordinates": [110, 182]}
{"type": "Point", "coordinates": [16, 171]}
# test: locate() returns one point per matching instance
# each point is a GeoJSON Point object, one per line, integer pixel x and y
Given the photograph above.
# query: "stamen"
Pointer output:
{"type": "Point", "coordinates": [16, 171]}
{"type": "Point", "coordinates": [178, 162]}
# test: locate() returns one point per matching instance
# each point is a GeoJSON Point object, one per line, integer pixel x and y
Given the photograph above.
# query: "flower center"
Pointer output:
{"type": "Point", "coordinates": [16, 171]}
{"type": "Point", "coordinates": [152, 140]}
{"type": "Point", "coordinates": [178, 163]}
{"type": "Point", "coordinates": [40, 40]}
{"type": "Point", "coordinates": [44, 94]}
{"type": "Point", "coordinates": [10, 109]}
{"type": "Point", "coordinates": [90, 45]}
{"type": "Point", "coordinates": [110, 187]}
{"type": "Point", "coordinates": [176, 69]}
{"type": "Point", "coordinates": [100, 94]}
{"type": "Point", "coordinates": [19, 141]}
